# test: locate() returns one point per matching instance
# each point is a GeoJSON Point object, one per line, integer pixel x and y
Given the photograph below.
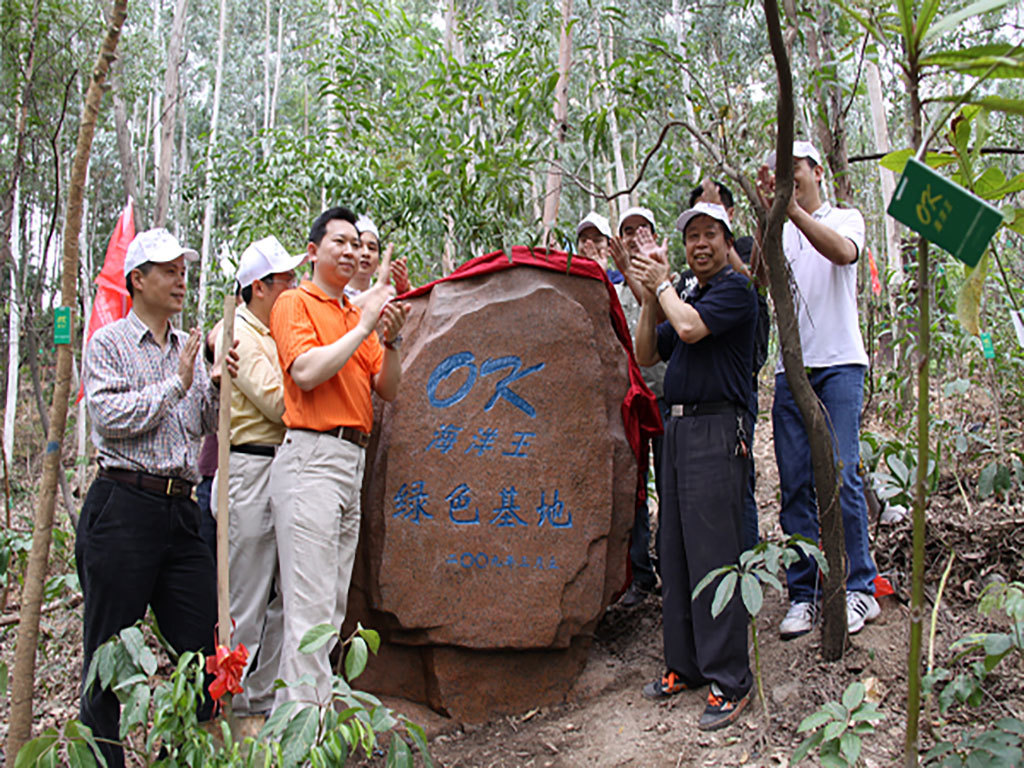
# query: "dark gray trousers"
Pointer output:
{"type": "Point", "coordinates": [703, 484]}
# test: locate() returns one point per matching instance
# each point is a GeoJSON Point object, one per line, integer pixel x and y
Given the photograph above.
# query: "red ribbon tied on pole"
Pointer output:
{"type": "Point", "coordinates": [227, 668]}
{"type": "Point", "coordinates": [876, 286]}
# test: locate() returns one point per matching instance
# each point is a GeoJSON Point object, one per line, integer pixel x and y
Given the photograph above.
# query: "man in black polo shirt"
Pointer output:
{"type": "Point", "coordinates": [740, 259]}
{"type": "Point", "coordinates": [708, 341]}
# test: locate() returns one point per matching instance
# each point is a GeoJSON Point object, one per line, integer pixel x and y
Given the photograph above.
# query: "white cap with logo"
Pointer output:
{"type": "Point", "coordinates": [800, 149]}
{"type": "Point", "coordinates": [157, 246]}
{"type": "Point", "coordinates": [265, 257]}
{"type": "Point", "coordinates": [365, 224]}
{"type": "Point", "coordinates": [713, 210]}
{"type": "Point", "coordinates": [644, 213]}
{"type": "Point", "coordinates": [596, 220]}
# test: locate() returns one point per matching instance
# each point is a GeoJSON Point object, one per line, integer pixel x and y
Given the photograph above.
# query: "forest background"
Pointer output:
{"type": "Point", "coordinates": [464, 128]}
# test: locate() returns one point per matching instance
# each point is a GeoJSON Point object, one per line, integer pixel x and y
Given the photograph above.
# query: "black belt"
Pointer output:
{"type": "Point", "coordinates": [351, 434]}
{"type": "Point", "coordinates": [255, 449]}
{"type": "Point", "coordinates": [158, 484]}
{"type": "Point", "coordinates": [704, 409]}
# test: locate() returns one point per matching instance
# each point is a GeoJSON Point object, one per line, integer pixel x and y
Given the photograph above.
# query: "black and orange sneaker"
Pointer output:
{"type": "Point", "coordinates": [669, 685]}
{"type": "Point", "coordinates": [721, 711]}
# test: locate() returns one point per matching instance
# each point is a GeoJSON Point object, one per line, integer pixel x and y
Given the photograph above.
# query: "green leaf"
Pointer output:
{"type": "Point", "coordinates": [1013, 218]}
{"type": "Point", "coordinates": [3, 678]}
{"type": "Point", "coordinates": [849, 746]}
{"type": "Point", "coordinates": [814, 721]}
{"type": "Point", "coordinates": [955, 19]}
{"type": "Point", "coordinates": [133, 642]}
{"type": "Point", "coordinates": [898, 468]}
{"type": "Point", "coordinates": [708, 578]}
{"type": "Point", "coordinates": [278, 721]}
{"type": "Point", "coordinates": [419, 737]}
{"type": "Point", "coordinates": [724, 593]}
{"type": "Point", "coordinates": [805, 747]}
{"type": "Point", "coordinates": [986, 481]}
{"type": "Point", "coordinates": [834, 730]}
{"type": "Point", "coordinates": [299, 735]}
{"type": "Point", "coordinates": [968, 300]}
{"type": "Point", "coordinates": [372, 638]}
{"type": "Point", "coordinates": [750, 590]}
{"type": "Point", "coordinates": [34, 752]}
{"type": "Point", "coordinates": [924, 19]}
{"type": "Point", "coordinates": [399, 754]}
{"type": "Point", "coordinates": [136, 709]}
{"type": "Point", "coordinates": [896, 161]}
{"type": "Point", "coordinates": [991, 103]}
{"type": "Point", "coordinates": [76, 731]}
{"type": "Point", "coordinates": [853, 696]}
{"type": "Point", "coordinates": [317, 637]}
{"type": "Point", "coordinates": [355, 659]}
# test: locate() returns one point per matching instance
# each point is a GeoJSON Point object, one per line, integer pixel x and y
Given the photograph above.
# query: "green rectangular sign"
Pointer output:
{"type": "Point", "coordinates": [62, 325]}
{"type": "Point", "coordinates": [944, 213]}
{"type": "Point", "coordinates": [986, 346]}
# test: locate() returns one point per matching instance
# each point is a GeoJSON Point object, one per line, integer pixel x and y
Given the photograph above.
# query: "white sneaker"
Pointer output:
{"type": "Point", "coordinates": [799, 620]}
{"type": "Point", "coordinates": [860, 608]}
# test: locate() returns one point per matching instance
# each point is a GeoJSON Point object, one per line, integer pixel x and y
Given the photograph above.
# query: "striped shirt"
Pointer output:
{"type": "Point", "coordinates": [142, 417]}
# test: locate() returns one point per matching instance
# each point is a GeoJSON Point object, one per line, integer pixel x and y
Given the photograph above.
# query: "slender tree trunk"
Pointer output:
{"type": "Point", "coordinates": [13, 359]}
{"type": "Point", "coordinates": [917, 607]}
{"type": "Point", "coordinates": [277, 67]}
{"type": "Point", "coordinates": [613, 121]}
{"type": "Point", "coordinates": [211, 145]}
{"type": "Point", "coordinates": [23, 678]}
{"type": "Point", "coordinates": [124, 140]}
{"type": "Point", "coordinates": [82, 418]}
{"type": "Point", "coordinates": [168, 113]}
{"type": "Point", "coordinates": [266, 72]}
{"type": "Point", "coordinates": [560, 123]}
{"type": "Point", "coordinates": [813, 413]}
{"type": "Point", "coordinates": [830, 122]}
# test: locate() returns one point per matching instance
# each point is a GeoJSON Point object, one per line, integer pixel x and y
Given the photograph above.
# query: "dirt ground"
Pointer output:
{"type": "Point", "coordinates": [606, 722]}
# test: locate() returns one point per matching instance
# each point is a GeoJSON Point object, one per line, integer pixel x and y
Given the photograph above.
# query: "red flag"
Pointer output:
{"type": "Point", "coordinates": [112, 301]}
{"type": "Point", "coordinates": [876, 287]}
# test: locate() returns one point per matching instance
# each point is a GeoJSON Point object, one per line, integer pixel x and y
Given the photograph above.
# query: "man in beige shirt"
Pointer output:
{"type": "Point", "coordinates": [265, 270]}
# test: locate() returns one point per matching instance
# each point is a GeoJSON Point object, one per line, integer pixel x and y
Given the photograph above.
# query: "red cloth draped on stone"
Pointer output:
{"type": "Point", "coordinates": [640, 415]}
{"type": "Point", "coordinates": [227, 668]}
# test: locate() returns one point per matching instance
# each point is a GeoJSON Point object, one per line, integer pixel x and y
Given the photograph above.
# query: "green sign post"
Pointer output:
{"type": "Point", "coordinates": [944, 213]}
{"type": "Point", "coordinates": [62, 325]}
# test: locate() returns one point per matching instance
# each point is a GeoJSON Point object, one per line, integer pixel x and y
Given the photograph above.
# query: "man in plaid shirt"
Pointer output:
{"type": "Point", "coordinates": [138, 540]}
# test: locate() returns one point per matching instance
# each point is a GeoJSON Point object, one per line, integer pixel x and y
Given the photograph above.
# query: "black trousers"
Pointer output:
{"type": "Point", "coordinates": [136, 549]}
{"type": "Point", "coordinates": [703, 484]}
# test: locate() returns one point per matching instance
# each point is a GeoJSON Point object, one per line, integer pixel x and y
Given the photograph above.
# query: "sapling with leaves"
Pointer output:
{"type": "Point", "coordinates": [758, 566]}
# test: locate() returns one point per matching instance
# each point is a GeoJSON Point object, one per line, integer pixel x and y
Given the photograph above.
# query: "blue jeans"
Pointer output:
{"type": "Point", "coordinates": [841, 390]}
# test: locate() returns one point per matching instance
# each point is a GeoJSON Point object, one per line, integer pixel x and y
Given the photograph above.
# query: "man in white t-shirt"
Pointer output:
{"type": "Point", "coordinates": [822, 244]}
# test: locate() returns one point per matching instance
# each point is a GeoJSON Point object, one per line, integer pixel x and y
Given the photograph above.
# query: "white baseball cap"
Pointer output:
{"type": "Point", "coordinates": [365, 224]}
{"type": "Point", "coordinates": [265, 257]}
{"type": "Point", "coordinates": [155, 245]}
{"type": "Point", "coordinates": [636, 210]}
{"type": "Point", "coordinates": [713, 210]}
{"type": "Point", "coordinates": [596, 220]}
{"type": "Point", "coordinates": [800, 149]}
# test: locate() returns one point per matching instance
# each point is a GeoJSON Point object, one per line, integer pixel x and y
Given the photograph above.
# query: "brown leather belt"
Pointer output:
{"type": "Point", "coordinates": [351, 434]}
{"type": "Point", "coordinates": [158, 484]}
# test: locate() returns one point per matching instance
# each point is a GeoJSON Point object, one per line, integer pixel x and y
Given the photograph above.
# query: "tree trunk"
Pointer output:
{"type": "Point", "coordinates": [13, 361]}
{"type": "Point", "coordinates": [23, 677]}
{"type": "Point", "coordinates": [830, 122]}
{"type": "Point", "coordinates": [911, 747]}
{"type": "Point", "coordinates": [124, 142]}
{"type": "Point", "coordinates": [168, 113]}
{"type": "Point", "coordinates": [211, 145]}
{"type": "Point", "coordinates": [613, 124]}
{"type": "Point", "coordinates": [814, 417]}
{"type": "Point", "coordinates": [560, 123]}
{"type": "Point", "coordinates": [277, 67]}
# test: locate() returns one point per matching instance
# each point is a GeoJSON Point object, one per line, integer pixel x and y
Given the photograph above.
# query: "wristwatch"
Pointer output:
{"type": "Point", "coordinates": [663, 286]}
{"type": "Point", "coordinates": [395, 343]}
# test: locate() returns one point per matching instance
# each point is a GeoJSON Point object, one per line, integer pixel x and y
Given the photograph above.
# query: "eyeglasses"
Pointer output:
{"type": "Point", "coordinates": [289, 281]}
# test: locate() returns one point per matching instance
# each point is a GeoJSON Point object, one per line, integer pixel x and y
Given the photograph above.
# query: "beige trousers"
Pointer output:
{"type": "Point", "coordinates": [252, 554]}
{"type": "Point", "coordinates": [315, 483]}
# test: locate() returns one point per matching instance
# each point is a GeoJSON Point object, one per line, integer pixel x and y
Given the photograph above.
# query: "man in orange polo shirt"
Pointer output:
{"type": "Point", "coordinates": [331, 359]}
